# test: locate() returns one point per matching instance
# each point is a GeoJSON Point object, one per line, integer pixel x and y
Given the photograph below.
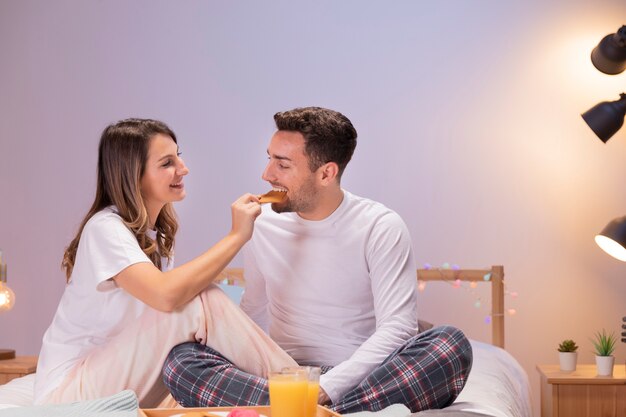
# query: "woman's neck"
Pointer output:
{"type": "Point", "coordinates": [153, 214]}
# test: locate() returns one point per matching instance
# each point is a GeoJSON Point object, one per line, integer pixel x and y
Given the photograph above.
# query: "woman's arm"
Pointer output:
{"type": "Point", "coordinates": [166, 291]}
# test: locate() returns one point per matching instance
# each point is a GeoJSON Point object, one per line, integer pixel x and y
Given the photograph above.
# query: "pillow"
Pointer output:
{"type": "Point", "coordinates": [423, 325]}
{"type": "Point", "coordinates": [122, 404]}
{"type": "Point", "coordinates": [234, 292]}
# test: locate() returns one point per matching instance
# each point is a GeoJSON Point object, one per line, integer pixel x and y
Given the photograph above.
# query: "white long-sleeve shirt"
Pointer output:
{"type": "Point", "coordinates": [340, 291]}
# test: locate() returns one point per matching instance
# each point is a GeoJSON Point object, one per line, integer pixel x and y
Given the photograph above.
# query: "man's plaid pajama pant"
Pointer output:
{"type": "Point", "coordinates": [428, 371]}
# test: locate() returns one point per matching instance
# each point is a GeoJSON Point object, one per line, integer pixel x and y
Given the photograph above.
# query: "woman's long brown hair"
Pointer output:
{"type": "Point", "coordinates": [122, 157]}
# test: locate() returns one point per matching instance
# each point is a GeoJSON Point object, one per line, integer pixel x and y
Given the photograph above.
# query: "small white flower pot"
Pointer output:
{"type": "Point", "coordinates": [604, 365]}
{"type": "Point", "coordinates": [567, 361]}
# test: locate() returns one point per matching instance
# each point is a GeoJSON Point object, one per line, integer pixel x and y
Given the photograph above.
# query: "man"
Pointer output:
{"type": "Point", "coordinates": [331, 277]}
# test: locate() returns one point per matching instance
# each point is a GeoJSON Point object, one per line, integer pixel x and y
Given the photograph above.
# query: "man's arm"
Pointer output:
{"type": "Point", "coordinates": [392, 273]}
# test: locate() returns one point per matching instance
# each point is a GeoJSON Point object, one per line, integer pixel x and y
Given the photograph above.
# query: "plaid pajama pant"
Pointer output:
{"type": "Point", "coordinates": [428, 371]}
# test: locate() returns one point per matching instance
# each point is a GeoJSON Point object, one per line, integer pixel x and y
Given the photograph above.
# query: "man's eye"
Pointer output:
{"type": "Point", "coordinates": [168, 163]}
{"type": "Point", "coordinates": [281, 166]}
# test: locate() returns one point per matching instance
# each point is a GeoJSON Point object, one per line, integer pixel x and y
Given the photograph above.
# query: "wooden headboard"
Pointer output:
{"type": "Point", "coordinates": [495, 275]}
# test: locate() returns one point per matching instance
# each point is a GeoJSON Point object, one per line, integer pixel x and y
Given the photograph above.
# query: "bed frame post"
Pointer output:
{"type": "Point", "coordinates": [497, 305]}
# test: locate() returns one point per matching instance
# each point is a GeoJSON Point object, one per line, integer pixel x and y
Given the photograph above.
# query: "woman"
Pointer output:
{"type": "Point", "coordinates": [124, 306]}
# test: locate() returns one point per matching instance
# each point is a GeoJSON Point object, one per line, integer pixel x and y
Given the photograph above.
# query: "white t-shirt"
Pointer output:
{"type": "Point", "coordinates": [92, 309]}
{"type": "Point", "coordinates": [340, 291]}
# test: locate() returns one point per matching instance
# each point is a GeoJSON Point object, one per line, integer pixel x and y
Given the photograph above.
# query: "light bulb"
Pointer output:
{"type": "Point", "coordinates": [7, 297]}
{"type": "Point", "coordinates": [611, 247]}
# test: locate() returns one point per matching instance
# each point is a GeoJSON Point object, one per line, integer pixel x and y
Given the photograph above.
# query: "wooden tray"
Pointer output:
{"type": "Point", "coordinates": [262, 409]}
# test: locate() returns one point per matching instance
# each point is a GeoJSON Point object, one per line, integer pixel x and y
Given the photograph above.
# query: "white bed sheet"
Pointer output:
{"type": "Point", "coordinates": [17, 392]}
{"type": "Point", "coordinates": [497, 386]}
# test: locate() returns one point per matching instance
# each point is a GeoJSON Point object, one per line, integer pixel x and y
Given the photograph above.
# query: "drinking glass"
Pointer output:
{"type": "Point", "coordinates": [288, 392]}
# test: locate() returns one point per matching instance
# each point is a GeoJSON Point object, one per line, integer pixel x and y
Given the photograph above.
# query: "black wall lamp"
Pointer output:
{"type": "Point", "coordinates": [609, 57]}
{"type": "Point", "coordinates": [612, 239]}
{"type": "Point", "coordinates": [605, 119]}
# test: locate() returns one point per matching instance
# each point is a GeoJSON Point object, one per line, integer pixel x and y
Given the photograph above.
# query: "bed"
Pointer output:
{"type": "Point", "coordinates": [497, 386]}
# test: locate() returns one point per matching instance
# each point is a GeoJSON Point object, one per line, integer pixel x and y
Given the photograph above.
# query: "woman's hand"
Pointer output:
{"type": "Point", "coordinates": [244, 212]}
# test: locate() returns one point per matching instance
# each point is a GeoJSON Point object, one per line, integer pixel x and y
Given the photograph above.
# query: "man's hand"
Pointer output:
{"type": "Point", "coordinates": [322, 398]}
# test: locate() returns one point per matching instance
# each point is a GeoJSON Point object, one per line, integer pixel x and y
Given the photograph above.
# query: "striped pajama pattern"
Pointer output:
{"type": "Point", "coordinates": [427, 372]}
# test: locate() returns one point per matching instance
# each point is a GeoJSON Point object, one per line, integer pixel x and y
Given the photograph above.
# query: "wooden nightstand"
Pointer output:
{"type": "Point", "coordinates": [14, 368]}
{"type": "Point", "coordinates": [582, 393]}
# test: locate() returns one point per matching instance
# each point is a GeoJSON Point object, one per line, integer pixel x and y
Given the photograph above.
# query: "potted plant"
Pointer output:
{"type": "Point", "coordinates": [604, 345]}
{"type": "Point", "coordinates": [568, 355]}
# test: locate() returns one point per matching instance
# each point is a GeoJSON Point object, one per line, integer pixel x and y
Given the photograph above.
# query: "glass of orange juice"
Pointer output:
{"type": "Point", "coordinates": [288, 392]}
{"type": "Point", "coordinates": [313, 377]}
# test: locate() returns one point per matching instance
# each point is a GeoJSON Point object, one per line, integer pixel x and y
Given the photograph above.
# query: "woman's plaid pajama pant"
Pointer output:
{"type": "Point", "coordinates": [428, 371]}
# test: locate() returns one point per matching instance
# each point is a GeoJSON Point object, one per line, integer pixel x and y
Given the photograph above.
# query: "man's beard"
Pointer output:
{"type": "Point", "coordinates": [300, 202]}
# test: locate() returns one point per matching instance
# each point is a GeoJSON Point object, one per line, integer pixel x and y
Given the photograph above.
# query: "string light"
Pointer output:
{"type": "Point", "coordinates": [470, 287]}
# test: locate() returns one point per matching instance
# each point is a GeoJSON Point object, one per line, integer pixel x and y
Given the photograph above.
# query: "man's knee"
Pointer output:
{"type": "Point", "coordinates": [448, 340]}
{"type": "Point", "coordinates": [180, 354]}
{"type": "Point", "coordinates": [450, 337]}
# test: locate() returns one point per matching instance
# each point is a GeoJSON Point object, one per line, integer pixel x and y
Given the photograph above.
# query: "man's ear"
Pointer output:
{"type": "Point", "coordinates": [329, 172]}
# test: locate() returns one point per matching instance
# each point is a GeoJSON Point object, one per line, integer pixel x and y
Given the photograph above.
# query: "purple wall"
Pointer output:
{"type": "Point", "coordinates": [468, 115]}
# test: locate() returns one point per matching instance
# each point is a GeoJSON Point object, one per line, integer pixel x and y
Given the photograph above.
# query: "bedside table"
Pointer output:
{"type": "Point", "coordinates": [582, 393]}
{"type": "Point", "coordinates": [14, 368]}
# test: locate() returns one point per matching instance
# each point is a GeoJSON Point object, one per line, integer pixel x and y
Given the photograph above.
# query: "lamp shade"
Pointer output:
{"type": "Point", "coordinates": [606, 118]}
{"type": "Point", "coordinates": [612, 239]}
{"type": "Point", "coordinates": [610, 54]}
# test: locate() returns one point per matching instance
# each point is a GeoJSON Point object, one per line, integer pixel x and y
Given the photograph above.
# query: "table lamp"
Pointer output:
{"type": "Point", "coordinates": [7, 300]}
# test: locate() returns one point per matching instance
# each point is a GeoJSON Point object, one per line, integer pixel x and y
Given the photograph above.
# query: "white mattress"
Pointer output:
{"type": "Point", "coordinates": [497, 386]}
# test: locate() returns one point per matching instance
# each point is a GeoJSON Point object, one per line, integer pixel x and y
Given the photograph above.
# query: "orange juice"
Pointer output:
{"type": "Point", "coordinates": [288, 394]}
{"type": "Point", "coordinates": [311, 398]}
